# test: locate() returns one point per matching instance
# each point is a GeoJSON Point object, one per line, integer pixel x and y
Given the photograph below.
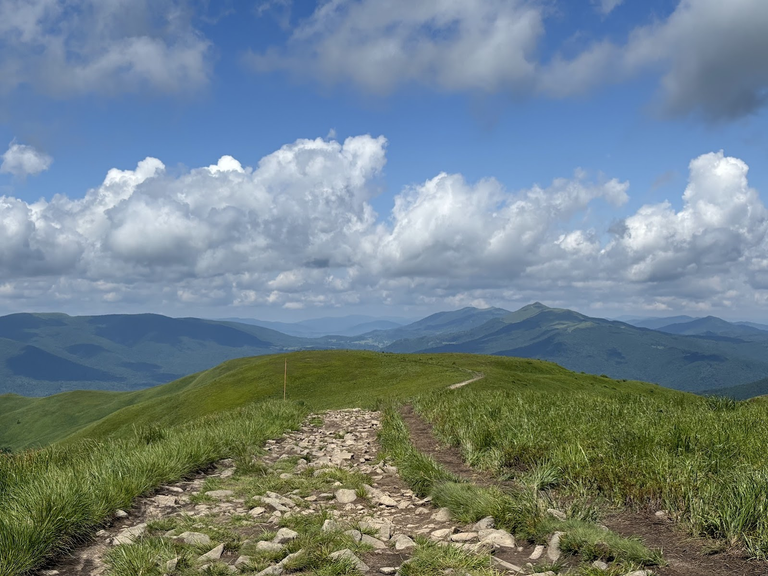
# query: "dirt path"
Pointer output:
{"type": "Point", "coordinates": [685, 555]}
{"type": "Point", "coordinates": [476, 376]}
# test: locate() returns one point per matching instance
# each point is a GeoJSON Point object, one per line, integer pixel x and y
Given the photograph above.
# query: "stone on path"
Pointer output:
{"type": "Point", "coordinates": [165, 500]}
{"type": "Point", "coordinates": [347, 554]}
{"type": "Point", "coordinates": [442, 515]}
{"type": "Point", "coordinates": [403, 542]}
{"type": "Point", "coordinates": [374, 542]}
{"type": "Point", "coordinates": [356, 535]}
{"type": "Point", "coordinates": [345, 496]}
{"type": "Point", "coordinates": [275, 504]}
{"type": "Point", "coordinates": [537, 552]}
{"type": "Point", "coordinates": [484, 524]}
{"type": "Point", "coordinates": [285, 535]}
{"type": "Point", "coordinates": [195, 538]}
{"type": "Point", "coordinates": [382, 526]}
{"type": "Point", "coordinates": [330, 526]}
{"type": "Point", "coordinates": [499, 538]}
{"type": "Point", "coordinates": [464, 537]}
{"type": "Point", "coordinates": [639, 573]}
{"type": "Point", "coordinates": [441, 534]}
{"type": "Point", "coordinates": [600, 565]}
{"type": "Point", "coordinates": [219, 494]}
{"type": "Point", "coordinates": [128, 535]}
{"type": "Point", "coordinates": [500, 564]}
{"type": "Point", "coordinates": [212, 555]}
{"type": "Point", "coordinates": [385, 500]}
{"type": "Point", "coordinates": [553, 548]}
{"type": "Point", "coordinates": [265, 546]}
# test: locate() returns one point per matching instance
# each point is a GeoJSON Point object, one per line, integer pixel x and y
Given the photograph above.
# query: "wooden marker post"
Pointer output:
{"type": "Point", "coordinates": [285, 378]}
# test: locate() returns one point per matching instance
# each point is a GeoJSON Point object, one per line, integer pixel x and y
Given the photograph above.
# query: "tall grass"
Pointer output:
{"type": "Point", "coordinates": [702, 459]}
{"type": "Point", "coordinates": [520, 511]}
{"type": "Point", "coordinates": [52, 498]}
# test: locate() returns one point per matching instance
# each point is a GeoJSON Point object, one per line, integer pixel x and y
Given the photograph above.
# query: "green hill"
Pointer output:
{"type": "Point", "coordinates": [599, 346]}
{"type": "Point", "coordinates": [321, 379]}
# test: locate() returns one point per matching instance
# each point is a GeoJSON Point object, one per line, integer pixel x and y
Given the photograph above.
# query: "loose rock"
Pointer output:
{"type": "Point", "coordinates": [212, 555]}
{"type": "Point", "coordinates": [347, 554]}
{"type": "Point", "coordinates": [345, 496]}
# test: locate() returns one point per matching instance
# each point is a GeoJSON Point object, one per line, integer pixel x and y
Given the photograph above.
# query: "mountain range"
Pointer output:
{"type": "Point", "coordinates": [42, 354]}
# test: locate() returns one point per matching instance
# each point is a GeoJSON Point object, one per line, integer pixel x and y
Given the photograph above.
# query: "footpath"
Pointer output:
{"type": "Point", "coordinates": [317, 500]}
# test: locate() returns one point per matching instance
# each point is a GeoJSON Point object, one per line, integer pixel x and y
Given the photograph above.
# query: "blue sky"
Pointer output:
{"type": "Point", "coordinates": [521, 142]}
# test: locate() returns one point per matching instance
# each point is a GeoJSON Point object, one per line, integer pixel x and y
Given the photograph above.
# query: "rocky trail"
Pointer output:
{"type": "Point", "coordinates": [320, 497]}
{"type": "Point", "coordinates": [321, 484]}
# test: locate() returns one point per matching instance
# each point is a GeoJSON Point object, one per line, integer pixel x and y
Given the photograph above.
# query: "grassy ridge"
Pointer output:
{"type": "Point", "coordinates": [328, 379]}
{"type": "Point", "coordinates": [323, 379]}
{"type": "Point", "coordinates": [702, 459]}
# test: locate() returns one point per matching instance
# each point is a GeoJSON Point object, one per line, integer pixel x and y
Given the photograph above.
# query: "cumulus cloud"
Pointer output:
{"type": "Point", "coordinates": [68, 47]}
{"type": "Point", "coordinates": [22, 160]}
{"type": "Point", "coordinates": [298, 230]}
{"type": "Point", "coordinates": [448, 228]}
{"type": "Point", "coordinates": [722, 221]}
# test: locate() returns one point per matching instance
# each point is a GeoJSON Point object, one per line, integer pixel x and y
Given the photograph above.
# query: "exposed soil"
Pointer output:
{"type": "Point", "coordinates": [685, 555]}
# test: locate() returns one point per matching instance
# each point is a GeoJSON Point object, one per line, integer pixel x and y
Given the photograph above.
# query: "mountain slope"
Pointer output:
{"type": "Point", "coordinates": [713, 326]}
{"type": "Point", "coordinates": [656, 323]}
{"type": "Point", "coordinates": [320, 379]}
{"type": "Point", "coordinates": [439, 323]}
{"type": "Point", "coordinates": [352, 325]}
{"type": "Point", "coordinates": [600, 346]}
{"type": "Point", "coordinates": [43, 354]}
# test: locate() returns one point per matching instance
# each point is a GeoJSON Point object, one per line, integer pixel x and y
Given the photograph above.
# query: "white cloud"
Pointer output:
{"type": "Point", "coordinates": [607, 6]}
{"type": "Point", "coordinates": [69, 47]}
{"type": "Point", "coordinates": [722, 221]}
{"type": "Point", "coordinates": [298, 230]}
{"type": "Point", "coordinates": [709, 54]}
{"type": "Point", "coordinates": [22, 160]}
{"type": "Point", "coordinates": [448, 228]}
{"type": "Point", "coordinates": [479, 45]}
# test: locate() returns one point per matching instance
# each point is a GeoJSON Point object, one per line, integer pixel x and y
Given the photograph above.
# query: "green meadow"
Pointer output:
{"type": "Point", "coordinates": [700, 459]}
{"type": "Point", "coordinates": [582, 443]}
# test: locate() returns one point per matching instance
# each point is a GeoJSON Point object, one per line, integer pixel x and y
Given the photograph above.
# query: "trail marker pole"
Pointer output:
{"type": "Point", "coordinates": [285, 378]}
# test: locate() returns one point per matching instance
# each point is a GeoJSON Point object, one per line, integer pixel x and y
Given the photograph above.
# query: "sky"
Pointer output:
{"type": "Point", "coordinates": [287, 160]}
